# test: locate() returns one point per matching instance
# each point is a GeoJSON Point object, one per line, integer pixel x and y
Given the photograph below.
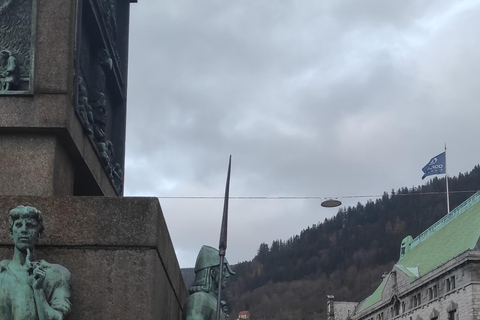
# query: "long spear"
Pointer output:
{"type": "Point", "coordinates": [222, 246]}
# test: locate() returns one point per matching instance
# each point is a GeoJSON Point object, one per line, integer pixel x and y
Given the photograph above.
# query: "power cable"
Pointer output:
{"type": "Point", "coordinates": [313, 197]}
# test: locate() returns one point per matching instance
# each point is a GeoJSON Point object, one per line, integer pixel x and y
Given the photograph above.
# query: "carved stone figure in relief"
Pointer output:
{"type": "Point", "coordinates": [108, 8]}
{"type": "Point", "coordinates": [99, 108]}
{"type": "Point", "coordinates": [118, 178]}
{"type": "Point", "coordinates": [104, 146]}
{"type": "Point", "coordinates": [31, 289]}
{"type": "Point", "coordinates": [107, 154]}
{"type": "Point", "coordinates": [109, 12]}
{"type": "Point", "coordinates": [9, 71]}
{"type": "Point", "coordinates": [83, 108]}
{"type": "Point", "coordinates": [16, 37]}
{"type": "Point", "coordinates": [100, 66]}
{"type": "Point", "coordinates": [202, 302]}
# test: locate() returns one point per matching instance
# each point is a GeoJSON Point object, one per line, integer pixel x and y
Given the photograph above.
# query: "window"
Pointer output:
{"type": "Point", "coordinates": [452, 315]}
{"type": "Point", "coordinates": [417, 300]}
{"type": "Point", "coordinates": [434, 314]}
{"type": "Point", "coordinates": [452, 311]}
{"type": "Point", "coordinates": [396, 308]}
{"type": "Point", "coordinates": [450, 283]}
{"type": "Point", "coordinates": [432, 292]}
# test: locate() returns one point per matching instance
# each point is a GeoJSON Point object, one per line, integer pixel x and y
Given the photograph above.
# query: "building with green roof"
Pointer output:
{"type": "Point", "coordinates": [437, 276]}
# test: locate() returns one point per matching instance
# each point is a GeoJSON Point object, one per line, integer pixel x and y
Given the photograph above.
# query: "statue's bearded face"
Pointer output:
{"type": "Point", "coordinates": [25, 232]}
{"type": "Point", "coordinates": [216, 276]}
{"type": "Point", "coordinates": [226, 274]}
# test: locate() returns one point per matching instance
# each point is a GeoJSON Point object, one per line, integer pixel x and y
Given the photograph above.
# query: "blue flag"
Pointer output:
{"type": "Point", "coordinates": [437, 165]}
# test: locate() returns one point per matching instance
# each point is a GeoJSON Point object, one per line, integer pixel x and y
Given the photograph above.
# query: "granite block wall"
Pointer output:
{"type": "Point", "coordinates": [118, 250]}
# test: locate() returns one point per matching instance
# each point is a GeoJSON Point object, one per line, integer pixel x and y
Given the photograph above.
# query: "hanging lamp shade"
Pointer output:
{"type": "Point", "coordinates": [331, 203]}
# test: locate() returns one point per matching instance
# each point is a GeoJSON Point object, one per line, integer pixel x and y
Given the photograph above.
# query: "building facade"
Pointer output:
{"type": "Point", "coordinates": [436, 278]}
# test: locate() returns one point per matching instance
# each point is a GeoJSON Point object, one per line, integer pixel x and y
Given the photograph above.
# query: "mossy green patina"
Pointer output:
{"type": "Point", "coordinates": [30, 289]}
{"type": "Point", "coordinates": [202, 302]}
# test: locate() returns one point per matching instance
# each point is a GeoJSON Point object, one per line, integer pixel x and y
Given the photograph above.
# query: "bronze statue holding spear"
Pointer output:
{"type": "Point", "coordinates": [204, 302]}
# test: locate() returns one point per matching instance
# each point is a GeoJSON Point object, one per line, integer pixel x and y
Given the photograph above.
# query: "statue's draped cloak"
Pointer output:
{"type": "Point", "coordinates": [201, 306]}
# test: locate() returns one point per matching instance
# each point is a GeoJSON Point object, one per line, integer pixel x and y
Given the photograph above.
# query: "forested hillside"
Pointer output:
{"type": "Point", "coordinates": [344, 256]}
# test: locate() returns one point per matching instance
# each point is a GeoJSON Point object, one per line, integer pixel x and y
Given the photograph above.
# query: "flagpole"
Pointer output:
{"type": "Point", "coordinates": [446, 180]}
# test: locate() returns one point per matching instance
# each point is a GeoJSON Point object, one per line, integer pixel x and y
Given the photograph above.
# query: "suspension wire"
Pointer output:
{"type": "Point", "coordinates": [314, 197]}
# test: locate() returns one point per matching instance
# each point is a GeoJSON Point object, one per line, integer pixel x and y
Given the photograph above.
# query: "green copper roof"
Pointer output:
{"type": "Point", "coordinates": [452, 235]}
{"type": "Point", "coordinates": [412, 273]}
{"type": "Point", "coordinates": [455, 233]}
{"type": "Point", "coordinates": [374, 297]}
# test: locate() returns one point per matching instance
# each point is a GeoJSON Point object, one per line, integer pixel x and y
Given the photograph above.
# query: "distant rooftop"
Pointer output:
{"type": "Point", "coordinates": [343, 309]}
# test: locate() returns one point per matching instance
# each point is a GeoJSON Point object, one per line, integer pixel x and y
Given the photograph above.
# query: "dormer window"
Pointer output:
{"type": "Point", "coordinates": [405, 246]}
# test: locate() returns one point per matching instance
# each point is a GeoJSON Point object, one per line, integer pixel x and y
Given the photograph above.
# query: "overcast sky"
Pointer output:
{"type": "Point", "coordinates": [334, 98]}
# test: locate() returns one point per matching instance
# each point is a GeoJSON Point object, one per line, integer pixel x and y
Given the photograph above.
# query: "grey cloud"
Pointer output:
{"type": "Point", "coordinates": [311, 98]}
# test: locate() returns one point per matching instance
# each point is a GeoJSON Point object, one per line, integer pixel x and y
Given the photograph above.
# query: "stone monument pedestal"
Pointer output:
{"type": "Point", "coordinates": [118, 250]}
{"type": "Point", "coordinates": [44, 150]}
{"type": "Point", "coordinates": [63, 95]}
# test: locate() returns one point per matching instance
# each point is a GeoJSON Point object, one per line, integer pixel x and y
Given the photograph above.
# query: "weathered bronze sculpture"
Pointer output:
{"type": "Point", "coordinates": [10, 74]}
{"type": "Point", "coordinates": [17, 45]}
{"type": "Point", "coordinates": [29, 289]}
{"type": "Point", "coordinates": [84, 108]}
{"type": "Point", "coordinates": [202, 302]}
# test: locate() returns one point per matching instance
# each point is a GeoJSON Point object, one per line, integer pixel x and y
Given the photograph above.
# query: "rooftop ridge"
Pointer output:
{"type": "Point", "coordinates": [475, 198]}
